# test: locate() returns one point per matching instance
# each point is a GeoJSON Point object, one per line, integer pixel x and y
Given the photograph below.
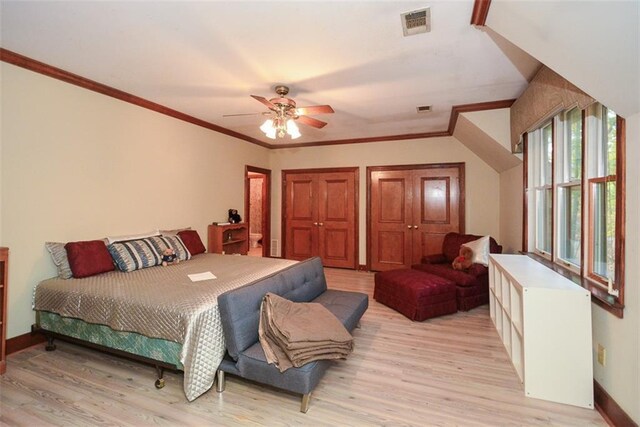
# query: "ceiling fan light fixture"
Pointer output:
{"type": "Point", "coordinates": [292, 129]}
{"type": "Point", "coordinates": [267, 126]}
{"type": "Point", "coordinates": [269, 129]}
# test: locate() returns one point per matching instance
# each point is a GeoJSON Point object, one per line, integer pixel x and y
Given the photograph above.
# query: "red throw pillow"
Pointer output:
{"type": "Point", "coordinates": [88, 258]}
{"type": "Point", "coordinates": [191, 240]}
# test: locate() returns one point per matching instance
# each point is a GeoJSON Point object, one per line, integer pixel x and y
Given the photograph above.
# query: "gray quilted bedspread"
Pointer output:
{"type": "Point", "coordinates": [162, 302]}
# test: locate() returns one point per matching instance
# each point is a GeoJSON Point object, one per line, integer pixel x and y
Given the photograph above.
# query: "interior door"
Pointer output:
{"type": "Point", "coordinates": [301, 216]}
{"type": "Point", "coordinates": [391, 213]}
{"type": "Point", "coordinates": [336, 219]}
{"type": "Point", "coordinates": [320, 216]}
{"type": "Point", "coordinates": [436, 208]}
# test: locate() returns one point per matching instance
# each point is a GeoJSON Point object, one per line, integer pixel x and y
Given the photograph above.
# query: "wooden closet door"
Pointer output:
{"type": "Point", "coordinates": [436, 208]}
{"type": "Point", "coordinates": [337, 219]}
{"type": "Point", "coordinates": [391, 223]}
{"type": "Point", "coordinates": [301, 216]}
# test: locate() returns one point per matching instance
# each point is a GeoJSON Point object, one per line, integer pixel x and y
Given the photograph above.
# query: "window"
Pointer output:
{"type": "Point", "coordinates": [574, 203]}
{"type": "Point", "coordinates": [570, 189]}
{"type": "Point", "coordinates": [541, 175]}
{"type": "Point", "coordinates": [602, 198]}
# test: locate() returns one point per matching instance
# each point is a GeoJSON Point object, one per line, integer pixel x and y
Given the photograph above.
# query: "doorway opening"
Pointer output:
{"type": "Point", "coordinates": [257, 202]}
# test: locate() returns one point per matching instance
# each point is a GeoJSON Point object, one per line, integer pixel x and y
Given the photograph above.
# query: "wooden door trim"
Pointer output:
{"type": "Point", "coordinates": [266, 205]}
{"type": "Point", "coordinates": [371, 169]}
{"type": "Point", "coordinates": [320, 170]}
{"type": "Point", "coordinates": [283, 190]}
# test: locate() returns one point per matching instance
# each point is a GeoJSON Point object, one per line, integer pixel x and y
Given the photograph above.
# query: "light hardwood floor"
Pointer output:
{"type": "Point", "coordinates": [451, 370]}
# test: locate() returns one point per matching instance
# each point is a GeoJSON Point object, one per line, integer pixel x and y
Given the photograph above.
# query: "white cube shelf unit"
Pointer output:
{"type": "Point", "coordinates": [544, 321]}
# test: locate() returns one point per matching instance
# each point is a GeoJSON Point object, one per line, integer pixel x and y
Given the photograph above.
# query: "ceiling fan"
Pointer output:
{"type": "Point", "coordinates": [283, 114]}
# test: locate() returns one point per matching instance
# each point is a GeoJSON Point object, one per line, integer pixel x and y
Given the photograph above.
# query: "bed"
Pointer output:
{"type": "Point", "coordinates": [156, 313]}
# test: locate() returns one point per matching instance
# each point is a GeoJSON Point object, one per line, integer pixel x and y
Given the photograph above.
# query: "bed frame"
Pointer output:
{"type": "Point", "coordinates": [101, 342]}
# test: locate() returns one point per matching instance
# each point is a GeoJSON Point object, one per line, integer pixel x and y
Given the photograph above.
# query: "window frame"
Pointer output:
{"type": "Point", "coordinates": [580, 274]}
{"type": "Point", "coordinates": [541, 186]}
{"type": "Point", "coordinates": [564, 183]}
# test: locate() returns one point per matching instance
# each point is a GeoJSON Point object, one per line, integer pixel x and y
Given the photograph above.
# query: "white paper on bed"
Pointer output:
{"type": "Point", "coordinates": [199, 277]}
{"type": "Point", "coordinates": [162, 303]}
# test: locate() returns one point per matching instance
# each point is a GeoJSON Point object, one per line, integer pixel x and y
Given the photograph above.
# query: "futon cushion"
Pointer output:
{"type": "Point", "coordinates": [253, 365]}
{"type": "Point", "coordinates": [192, 241]}
{"type": "Point", "coordinates": [348, 307]}
{"type": "Point", "coordinates": [134, 254]}
{"type": "Point", "coordinates": [88, 258]}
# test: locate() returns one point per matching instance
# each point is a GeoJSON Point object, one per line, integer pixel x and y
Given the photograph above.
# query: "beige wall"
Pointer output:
{"type": "Point", "coordinates": [482, 182]}
{"type": "Point", "coordinates": [78, 165]}
{"type": "Point", "coordinates": [511, 209]}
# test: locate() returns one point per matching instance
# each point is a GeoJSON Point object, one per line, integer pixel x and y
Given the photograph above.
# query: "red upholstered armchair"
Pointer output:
{"type": "Point", "coordinates": [472, 285]}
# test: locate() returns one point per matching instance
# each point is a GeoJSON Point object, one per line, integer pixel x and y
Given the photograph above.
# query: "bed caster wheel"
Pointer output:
{"type": "Point", "coordinates": [50, 345]}
{"type": "Point", "coordinates": [159, 383]}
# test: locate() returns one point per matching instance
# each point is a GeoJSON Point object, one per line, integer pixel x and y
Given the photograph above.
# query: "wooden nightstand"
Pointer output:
{"type": "Point", "coordinates": [228, 239]}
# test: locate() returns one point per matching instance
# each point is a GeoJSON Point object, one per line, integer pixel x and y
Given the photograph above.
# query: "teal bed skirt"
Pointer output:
{"type": "Point", "coordinates": [130, 342]}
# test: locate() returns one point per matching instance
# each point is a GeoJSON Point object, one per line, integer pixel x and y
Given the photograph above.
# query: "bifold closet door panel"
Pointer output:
{"type": "Point", "coordinates": [436, 209]}
{"type": "Point", "coordinates": [301, 214]}
{"type": "Point", "coordinates": [391, 219]}
{"type": "Point", "coordinates": [336, 219]}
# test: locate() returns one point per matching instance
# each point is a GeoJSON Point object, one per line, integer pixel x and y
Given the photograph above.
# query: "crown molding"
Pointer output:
{"type": "Point", "coordinates": [480, 106]}
{"type": "Point", "coordinates": [74, 79]}
{"type": "Point", "coordinates": [363, 140]}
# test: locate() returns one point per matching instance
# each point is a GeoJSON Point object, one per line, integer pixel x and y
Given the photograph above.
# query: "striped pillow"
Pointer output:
{"type": "Point", "coordinates": [134, 254]}
{"type": "Point", "coordinates": [172, 242]}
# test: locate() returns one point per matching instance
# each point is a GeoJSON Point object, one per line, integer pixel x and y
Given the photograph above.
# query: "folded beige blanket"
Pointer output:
{"type": "Point", "coordinates": [293, 334]}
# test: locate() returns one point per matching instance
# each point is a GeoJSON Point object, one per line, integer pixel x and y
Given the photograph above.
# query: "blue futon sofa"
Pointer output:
{"type": "Point", "coordinates": [240, 312]}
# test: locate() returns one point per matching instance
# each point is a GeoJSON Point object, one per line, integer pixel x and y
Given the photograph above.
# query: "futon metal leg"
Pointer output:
{"type": "Point", "coordinates": [160, 381]}
{"type": "Point", "coordinates": [50, 345]}
{"type": "Point", "coordinates": [304, 407]}
{"type": "Point", "coordinates": [220, 383]}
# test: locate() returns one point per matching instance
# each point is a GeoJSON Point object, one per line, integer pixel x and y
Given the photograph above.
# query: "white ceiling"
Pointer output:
{"type": "Point", "coordinates": [205, 58]}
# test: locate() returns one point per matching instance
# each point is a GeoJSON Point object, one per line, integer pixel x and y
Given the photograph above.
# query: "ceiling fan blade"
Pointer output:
{"type": "Point", "coordinates": [310, 121]}
{"type": "Point", "coordinates": [314, 109]}
{"type": "Point", "coordinates": [247, 114]}
{"type": "Point", "coordinates": [241, 114]}
{"type": "Point", "coordinates": [265, 101]}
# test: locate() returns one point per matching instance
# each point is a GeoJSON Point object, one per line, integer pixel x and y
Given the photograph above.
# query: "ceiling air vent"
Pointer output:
{"type": "Point", "coordinates": [424, 108]}
{"type": "Point", "coordinates": [416, 22]}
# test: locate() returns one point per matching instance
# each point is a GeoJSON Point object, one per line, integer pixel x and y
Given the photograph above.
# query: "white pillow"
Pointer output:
{"type": "Point", "coordinates": [114, 239]}
{"type": "Point", "coordinates": [480, 250]}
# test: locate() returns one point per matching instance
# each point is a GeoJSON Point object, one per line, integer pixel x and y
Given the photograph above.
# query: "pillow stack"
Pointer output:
{"type": "Point", "coordinates": [128, 253]}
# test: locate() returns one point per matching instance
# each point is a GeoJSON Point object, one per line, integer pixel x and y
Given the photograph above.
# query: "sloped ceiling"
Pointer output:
{"type": "Point", "coordinates": [204, 59]}
{"type": "Point", "coordinates": [593, 44]}
{"type": "Point", "coordinates": [486, 133]}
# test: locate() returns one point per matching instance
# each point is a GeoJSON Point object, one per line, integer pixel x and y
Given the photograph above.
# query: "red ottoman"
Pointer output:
{"type": "Point", "coordinates": [416, 294]}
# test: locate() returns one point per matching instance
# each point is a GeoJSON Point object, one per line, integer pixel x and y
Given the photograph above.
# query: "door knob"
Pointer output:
{"type": "Point", "coordinates": [320, 224]}
{"type": "Point", "coordinates": [409, 227]}
{"type": "Point", "coordinates": [315, 223]}
{"type": "Point", "coordinates": [415, 226]}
